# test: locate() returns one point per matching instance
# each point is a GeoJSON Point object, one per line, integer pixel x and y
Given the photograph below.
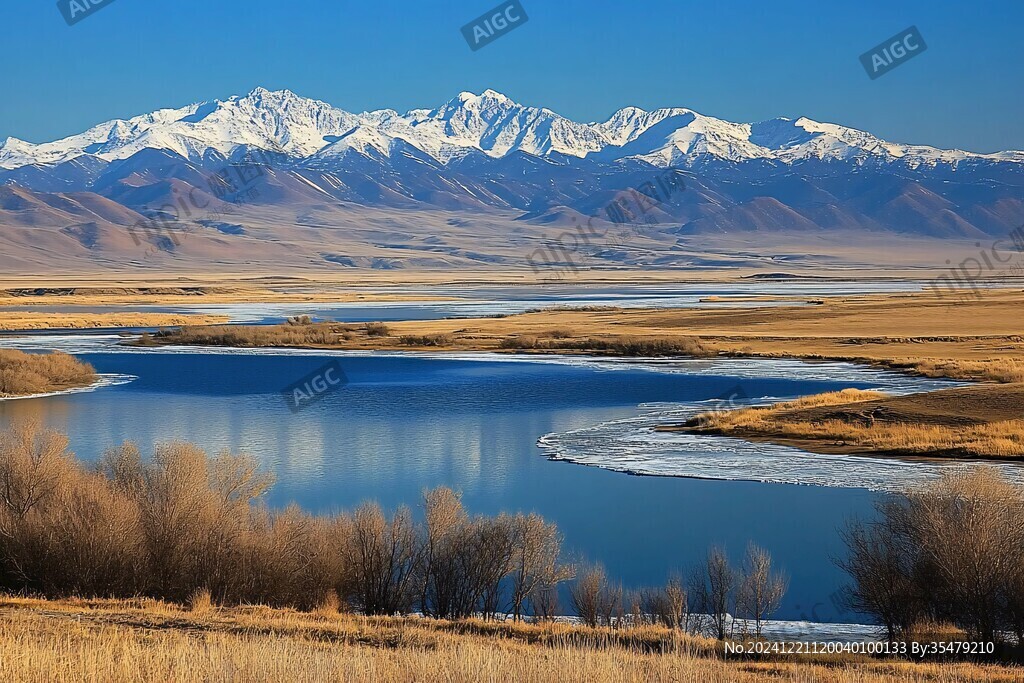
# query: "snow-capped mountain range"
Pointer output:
{"type": "Point", "coordinates": [489, 123]}
{"type": "Point", "coordinates": [479, 181]}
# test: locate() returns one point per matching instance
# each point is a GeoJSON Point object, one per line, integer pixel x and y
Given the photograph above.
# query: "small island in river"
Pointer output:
{"type": "Point", "coordinates": [30, 374]}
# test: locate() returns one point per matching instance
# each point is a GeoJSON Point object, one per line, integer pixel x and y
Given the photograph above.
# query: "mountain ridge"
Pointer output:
{"type": "Point", "coordinates": [490, 122]}
{"type": "Point", "coordinates": [480, 181]}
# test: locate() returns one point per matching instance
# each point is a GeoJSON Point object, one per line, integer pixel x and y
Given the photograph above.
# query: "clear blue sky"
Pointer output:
{"type": "Point", "coordinates": [743, 61]}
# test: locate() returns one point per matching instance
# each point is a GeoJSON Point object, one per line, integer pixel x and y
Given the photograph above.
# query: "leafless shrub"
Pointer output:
{"type": "Point", "coordinates": [637, 346]}
{"type": "Point", "coordinates": [586, 594]}
{"type": "Point", "coordinates": [291, 559]}
{"type": "Point", "coordinates": [519, 342]}
{"type": "Point", "coordinates": [879, 560]}
{"type": "Point", "coordinates": [667, 606]}
{"type": "Point", "coordinates": [558, 334]}
{"type": "Point", "coordinates": [88, 543]}
{"type": "Point", "coordinates": [146, 339]}
{"type": "Point", "coordinates": [253, 336]}
{"type": "Point", "coordinates": [544, 602]}
{"type": "Point", "coordinates": [34, 466]}
{"type": "Point", "coordinates": [951, 551]}
{"type": "Point", "coordinates": [377, 330]}
{"type": "Point", "coordinates": [466, 561]}
{"type": "Point", "coordinates": [536, 564]}
{"type": "Point", "coordinates": [596, 600]}
{"type": "Point", "coordinates": [426, 340]}
{"type": "Point", "coordinates": [562, 340]}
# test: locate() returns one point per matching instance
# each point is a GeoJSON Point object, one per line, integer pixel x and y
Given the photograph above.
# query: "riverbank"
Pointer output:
{"type": "Point", "coordinates": [39, 320]}
{"type": "Point", "coordinates": [147, 640]}
{"type": "Point", "coordinates": [980, 339]}
{"type": "Point", "coordinates": [979, 422]}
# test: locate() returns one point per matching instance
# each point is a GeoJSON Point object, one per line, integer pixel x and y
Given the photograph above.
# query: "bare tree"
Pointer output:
{"type": "Point", "coordinates": [612, 605]}
{"type": "Point", "coordinates": [445, 523]}
{"type": "Point", "coordinates": [536, 561]}
{"type": "Point", "coordinates": [882, 566]}
{"type": "Point", "coordinates": [713, 586]}
{"type": "Point", "coordinates": [948, 551]}
{"type": "Point", "coordinates": [544, 601]}
{"type": "Point", "coordinates": [760, 590]}
{"type": "Point", "coordinates": [1015, 604]}
{"type": "Point", "coordinates": [384, 555]}
{"type": "Point", "coordinates": [92, 544]}
{"type": "Point", "coordinates": [968, 527]}
{"type": "Point", "coordinates": [491, 548]}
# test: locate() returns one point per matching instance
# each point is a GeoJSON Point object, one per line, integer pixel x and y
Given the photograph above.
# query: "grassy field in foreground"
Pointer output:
{"type": "Point", "coordinates": [974, 422]}
{"type": "Point", "coordinates": [144, 640]}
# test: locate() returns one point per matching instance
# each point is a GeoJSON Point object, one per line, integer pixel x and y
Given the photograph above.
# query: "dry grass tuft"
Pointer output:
{"type": "Point", "coordinates": [1004, 370]}
{"type": "Point", "coordinates": [330, 606]}
{"type": "Point", "coordinates": [201, 601]}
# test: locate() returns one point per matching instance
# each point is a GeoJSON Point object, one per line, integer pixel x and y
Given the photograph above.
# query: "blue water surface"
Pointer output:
{"type": "Point", "coordinates": [402, 424]}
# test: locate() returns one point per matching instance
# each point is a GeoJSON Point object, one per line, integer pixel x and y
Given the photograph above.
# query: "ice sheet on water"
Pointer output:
{"type": "Point", "coordinates": [632, 445]}
{"type": "Point", "coordinates": [817, 632]}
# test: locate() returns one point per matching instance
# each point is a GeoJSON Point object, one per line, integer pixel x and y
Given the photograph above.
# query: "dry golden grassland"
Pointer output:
{"type": "Point", "coordinates": [35, 320]}
{"type": "Point", "coordinates": [854, 421]}
{"type": "Point", "coordinates": [145, 640]}
{"type": "Point", "coordinates": [23, 374]}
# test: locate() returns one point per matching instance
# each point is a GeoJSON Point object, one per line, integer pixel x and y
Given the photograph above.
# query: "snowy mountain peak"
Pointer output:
{"type": "Point", "coordinates": [260, 91]}
{"type": "Point", "coordinates": [494, 95]}
{"type": "Point", "coordinates": [468, 97]}
{"type": "Point", "coordinates": [489, 122]}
